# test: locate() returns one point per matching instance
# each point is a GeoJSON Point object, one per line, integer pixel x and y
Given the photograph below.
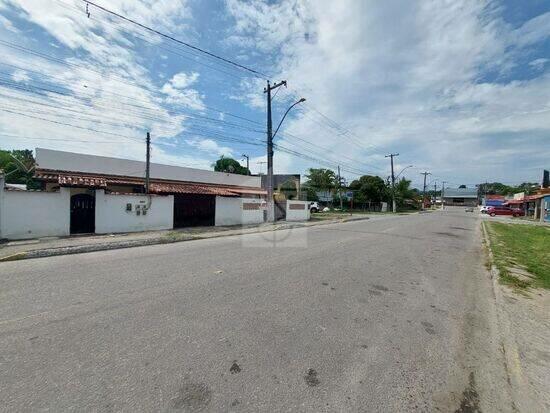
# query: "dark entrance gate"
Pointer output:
{"type": "Point", "coordinates": [192, 210]}
{"type": "Point", "coordinates": [280, 210]}
{"type": "Point", "coordinates": [82, 214]}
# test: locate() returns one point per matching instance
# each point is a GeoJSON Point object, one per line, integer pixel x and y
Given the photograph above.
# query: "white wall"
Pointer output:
{"type": "Point", "coordinates": [34, 214]}
{"type": "Point", "coordinates": [297, 214]}
{"type": "Point", "coordinates": [231, 211]}
{"type": "Point", "coordinates": [69, 161]}
{"type": "Point", "coordinates": [111, 215]}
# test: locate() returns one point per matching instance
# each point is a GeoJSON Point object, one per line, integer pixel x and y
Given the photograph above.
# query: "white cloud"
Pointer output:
{"type": "Point", "coordinates": [534, 31]}
{"type": "Point", "coordinates": [412, 86]}
{"type": "Point", "coordinates": [183, 80]}
{"type": "Point", "coordinates": [178, 91]}
{"type": "Point", "coordinates": [538, 64]}
{"type": "Point", "coordinates": [210, 146]}
{"type": "Point", "coordinates": [111, 95]}
{"type": "Point", "coordinates": [6, 24]}
{"type": "Point", "coordinates": [20, 76]}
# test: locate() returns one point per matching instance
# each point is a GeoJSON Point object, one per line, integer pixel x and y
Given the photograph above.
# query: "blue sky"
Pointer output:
{"type": "Point", "coordinates": [458, 88]}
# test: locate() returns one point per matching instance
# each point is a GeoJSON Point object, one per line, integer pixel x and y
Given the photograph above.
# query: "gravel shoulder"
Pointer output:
{"type": "Point", "coordinates": [523, 310]}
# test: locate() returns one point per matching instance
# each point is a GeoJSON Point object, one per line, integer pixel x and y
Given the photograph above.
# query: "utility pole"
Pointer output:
{"type": "Point", "coordinates": [269, 182]}
{"type": "Point", "coordinates": [147, 161]}
{"type": "Point", "coordinates": [340, 189]}
{"type": "Point", "coordinates": [424, 190]}
{"type": "Point", "coordinates": [435, 193]}
{"type": "Point", "coordinates": [394, 206]}
{"type": "Point", "coordinates": [443, 194]}
{"type": "Point", "coordinates": [247, 163]}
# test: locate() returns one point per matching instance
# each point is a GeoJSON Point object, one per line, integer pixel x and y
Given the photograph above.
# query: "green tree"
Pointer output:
{"type": "Point", "coordinates": [497, 188]}
{"type": "Point", "coordinates": [18, 167]}
{"type": "Point", "coordinates": [404, 192]}
{"type": "Point", "coordinates": [370, 188]}
{"type": "Point", "coordinates": [321, 179]}
{"type": "Point", "coordinates": [231, 166]}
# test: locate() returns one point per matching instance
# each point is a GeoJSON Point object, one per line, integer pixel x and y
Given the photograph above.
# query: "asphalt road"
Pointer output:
{"type": "Point", "coordinates": [393, 314]}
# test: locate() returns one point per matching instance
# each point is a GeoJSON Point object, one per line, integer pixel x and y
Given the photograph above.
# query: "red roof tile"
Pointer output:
{"type": "Point", "coordinates": [76, 180]}
{"type": "Point", "coordinates": [158, 186]}
{"type": "Point", "coordinates": [248, 191]}
{"type": "Point", "coordinates": [190, 189]}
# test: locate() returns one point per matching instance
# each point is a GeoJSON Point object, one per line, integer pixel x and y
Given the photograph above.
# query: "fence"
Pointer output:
{"type": "Point", "coordinates": [239, 211]}
{"type": "Point", "coordinates": [32, 214]}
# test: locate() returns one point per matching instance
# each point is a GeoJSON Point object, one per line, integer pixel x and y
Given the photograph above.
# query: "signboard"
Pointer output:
{"type": "Point", "coordinates": [545, 179]}
{"type": "Point", "coordinates": [324, 196]}
{"type": "Point", "coordinates": [519, 195]}
{"type": "Point", "coordinates": [349, 194]}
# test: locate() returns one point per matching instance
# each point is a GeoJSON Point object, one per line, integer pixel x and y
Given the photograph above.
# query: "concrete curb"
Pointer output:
{"type": "Point", "coordinates": [520, 390]}
{"type": "Point", "coordinates": [80, 249]}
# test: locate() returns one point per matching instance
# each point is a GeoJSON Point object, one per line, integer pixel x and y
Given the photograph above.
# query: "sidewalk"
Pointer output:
{"type": "Point", "coordinates": [50, 246]}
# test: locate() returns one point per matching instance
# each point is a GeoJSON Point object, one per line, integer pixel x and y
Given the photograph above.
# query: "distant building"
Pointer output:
{"type": "Point", "coordinates": [493, 200]}
{"type": "Point", "coordinates": [460, 196]}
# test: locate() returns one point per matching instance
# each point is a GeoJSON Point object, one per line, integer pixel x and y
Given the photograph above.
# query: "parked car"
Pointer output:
{"type": "Point", "coordinates": [314, 207]}
{"type": "Point", "coordinates": [504, 210]}
{"type": "Point", "coordinates": [483, 209]}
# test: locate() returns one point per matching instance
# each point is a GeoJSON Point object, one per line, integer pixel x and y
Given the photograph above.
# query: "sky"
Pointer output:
{"type": "Point", "coordinates": [460, 89]}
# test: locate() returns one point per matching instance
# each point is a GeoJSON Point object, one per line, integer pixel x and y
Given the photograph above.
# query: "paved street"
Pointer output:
{"type": "Point", "coordinates": [391, 314]}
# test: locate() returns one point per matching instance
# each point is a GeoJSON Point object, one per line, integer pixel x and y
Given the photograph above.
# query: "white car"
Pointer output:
{"type": "Point", "coordinates": [314, 207]}
{"type": "Point", "coordinates": [483, 209]}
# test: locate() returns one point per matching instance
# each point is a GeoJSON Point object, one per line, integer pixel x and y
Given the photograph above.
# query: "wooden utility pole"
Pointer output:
{"type": "Point", "coordinates": [269, 180]}
{"type": "Point", "coordinates": [147, 161]}
{"type": "Point", "coordinates": [424, 190]}
{"type": "Point", "coordinates": [247, 163]}
{"type": "Point", "coordinates": [394, 205]}
{"type": "Point", "coordinates": [340, 189]}
{"type": "Point", "coordinates": [443, 194]}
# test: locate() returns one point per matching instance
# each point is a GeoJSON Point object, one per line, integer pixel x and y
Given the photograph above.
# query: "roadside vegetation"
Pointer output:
{"type": "Point", "coordinates": [521, 253]}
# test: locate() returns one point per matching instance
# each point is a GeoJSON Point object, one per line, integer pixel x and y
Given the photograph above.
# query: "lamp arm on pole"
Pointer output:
{"type": "Point", "coordinates": [284, 116]}
{"type": "Point", "coordinates": [403, 170]}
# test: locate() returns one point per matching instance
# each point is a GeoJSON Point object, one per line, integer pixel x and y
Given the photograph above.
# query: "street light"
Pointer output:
{"type": "Point", "coordinates": [286, 113]}
{"type": "Point", "coordinates": [270, 136]}
{"type": "Point", "coordinates": [402, 170]}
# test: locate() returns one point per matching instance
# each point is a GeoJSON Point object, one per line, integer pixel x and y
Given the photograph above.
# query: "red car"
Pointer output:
{"type": "Point", "coordinates": [504, 210]}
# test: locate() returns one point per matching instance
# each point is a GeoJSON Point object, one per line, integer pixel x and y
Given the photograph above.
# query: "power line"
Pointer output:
{"type": "Point", "coordinates": [136, 114]}
{"type": "Point", "coordinates": [62, 62]}
{"type": "Point", "coordinates": [68, 124]}
{"type": "Point", "coordinates": [17, 86]}
{"type": "Point", "coordinates": [8, 135]}
{"type": "Point", "coordinates": [196, 48]}
{"type": "Point", "coordinates": [135, 34]}
{"type": "Point", "coordinates": [132, 97]}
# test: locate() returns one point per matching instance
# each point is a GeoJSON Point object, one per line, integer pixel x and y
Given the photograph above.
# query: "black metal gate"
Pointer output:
{"type": "Point", "coordinates": [82, 214]}
{"type": "Point", "coordinates": [280, 210]}
{"type": "Point", "coordinates": [192, 210]}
